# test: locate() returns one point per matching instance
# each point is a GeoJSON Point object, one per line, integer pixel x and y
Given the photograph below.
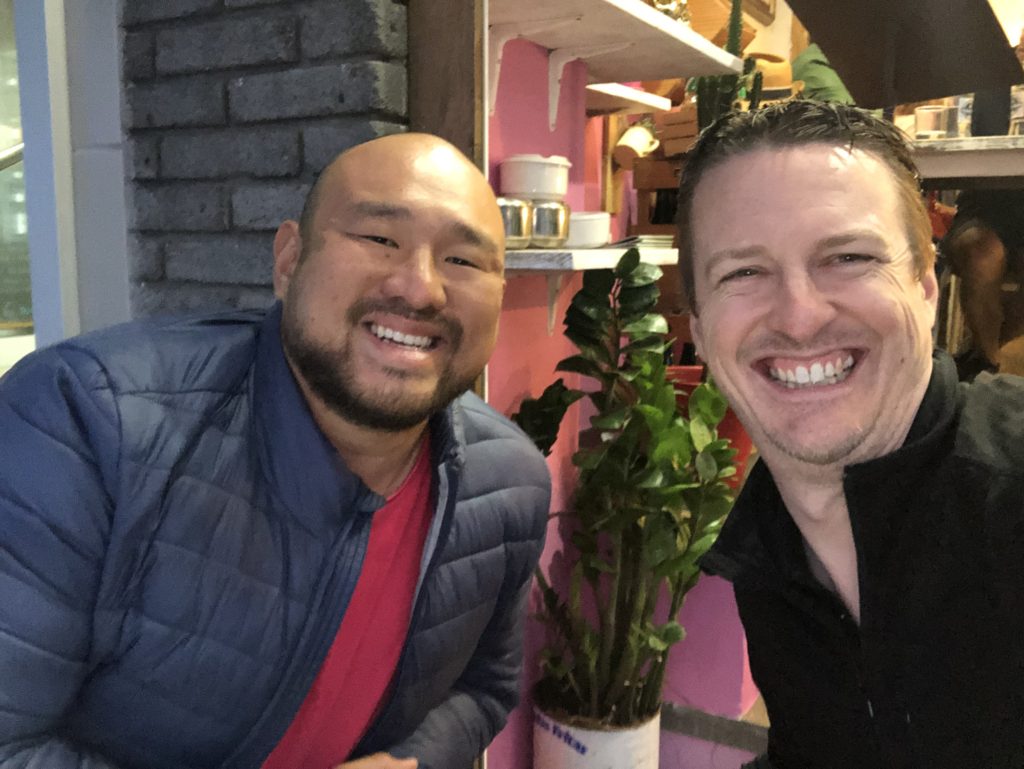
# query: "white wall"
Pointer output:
{"type": "Point", "coordinates": [97, 158]}
{"type": "Point", "coordinates": [70, 80]}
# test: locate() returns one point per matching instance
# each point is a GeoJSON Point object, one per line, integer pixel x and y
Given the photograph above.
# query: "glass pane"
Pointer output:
{"type": "Point", "coordinates": [16, 337]}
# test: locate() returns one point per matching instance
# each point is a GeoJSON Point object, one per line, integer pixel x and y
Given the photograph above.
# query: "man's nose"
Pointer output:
{"type": "Point", "coordinates": [801, 309]}
{"type": "Point", "coordinates": [417, 280]}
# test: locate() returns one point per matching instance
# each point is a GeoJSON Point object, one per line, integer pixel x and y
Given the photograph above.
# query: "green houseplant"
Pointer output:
{"type": "Point", "coordinates": [649, 502]}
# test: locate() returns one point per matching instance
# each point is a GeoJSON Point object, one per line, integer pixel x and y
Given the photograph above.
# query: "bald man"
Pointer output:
{"type": "Point", "coordinates": [279, 539]}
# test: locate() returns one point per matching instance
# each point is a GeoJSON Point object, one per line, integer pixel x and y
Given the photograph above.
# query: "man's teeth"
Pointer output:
{"type": "Point", "coordinates": [409, 340]}
{"type": "Point", "coordinates": [831, 373]}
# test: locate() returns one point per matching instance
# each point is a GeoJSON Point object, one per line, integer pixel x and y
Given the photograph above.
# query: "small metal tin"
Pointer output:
{"type": "Point", "coordinates": [550, 224]}
{"type": "Point", "coordinates": [517, 215]}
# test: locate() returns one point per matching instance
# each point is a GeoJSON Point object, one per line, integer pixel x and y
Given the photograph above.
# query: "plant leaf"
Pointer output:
{"type": "Point", "coordinates": [643, 275]}
{"type": "Point", "coordinates": [638, 299]}
{"type": "Point", "coordinates": [656, 419]}
{"type": "Point", "coordinates": [707, 403]}
{"type": "Point", "coordinates": [540, 418]}
{"type": "Point", "coordinates": [579, 364]}
{"type": "Point", "coordinates": [707, 468]}
{"type": "Point", "coordinates": [700, 433]}
{"type": "Point", "coordinates": [595, 309]}
{"type": "Point", "coordinates": [627, 263]}
{"type": "Point", "coordinates": [647, 324]}
{"type": "Point", "coordinates": [613, 420]}
{"type": "Point", "coordinates": [673, 444]}
{"type": "Point", "coordinates": [598, 283]}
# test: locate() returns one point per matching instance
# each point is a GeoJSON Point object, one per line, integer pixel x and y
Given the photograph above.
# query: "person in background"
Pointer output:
{"type": "Point", "coordinates": [985, 249]}
{"type": "Point", "coordinates": [284, 538]}
{"type": "Point", "coordinates": [877, 548]}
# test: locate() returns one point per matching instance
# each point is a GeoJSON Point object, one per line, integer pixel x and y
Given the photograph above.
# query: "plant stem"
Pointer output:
{"type": "Point", "coordinates": [608, 615]}
{"type": "Point", "coordinates": [627, 672]}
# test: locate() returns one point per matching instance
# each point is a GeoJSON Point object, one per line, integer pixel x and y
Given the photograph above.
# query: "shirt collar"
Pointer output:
{"type": "Point", "coordinates": [760, 540]}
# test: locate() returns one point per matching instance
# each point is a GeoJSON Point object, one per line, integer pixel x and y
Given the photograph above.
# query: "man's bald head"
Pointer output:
{"type": "Point", "coordinates": [400, 153]}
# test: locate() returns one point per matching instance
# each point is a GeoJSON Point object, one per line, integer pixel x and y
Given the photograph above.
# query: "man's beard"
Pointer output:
{"type": "Point", "coordinates": [329, 372]}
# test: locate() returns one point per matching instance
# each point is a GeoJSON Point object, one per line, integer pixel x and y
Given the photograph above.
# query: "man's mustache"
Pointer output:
{"type": "Point", "coordinates": [451, 327]}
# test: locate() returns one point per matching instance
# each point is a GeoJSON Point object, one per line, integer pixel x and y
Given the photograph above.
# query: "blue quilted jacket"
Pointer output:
{"type": "Point", "coordinates": [179, 542]}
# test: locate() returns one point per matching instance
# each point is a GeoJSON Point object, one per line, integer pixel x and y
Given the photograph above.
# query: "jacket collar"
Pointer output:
{"type": "Point", "coordinates": [760, 541]}
{"type": "Point", "coordinates": [305, 472]}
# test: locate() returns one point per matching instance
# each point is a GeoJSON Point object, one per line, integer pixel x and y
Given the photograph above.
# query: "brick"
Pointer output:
{"type": "Point", "coordinates": [144, 154]}
{"type": "Point", "coordinates": [358, 27]}
{"type": "Point", "coordinates": [323, 141]}
{"type": "Point", "coordinates": [258, 152]}
{"type": "Point", "coordinates": [181, 207]}
{"type": "Point", "coordinates": [265, 206]}
{"type": "Point", "coordinates": [139, 11]}
{"type": "Point", "coordinates": [138, 55]}
{"type": "Point", "coordinates": [246, 259]}
{"type": "Point", "coordinates": [145, 258]}
{"type": "Point", "coordinates": [161, 298]}
{"type": "Point", "coordinates": [191, 101]}
{"type": "Point", "coordinates": [337, 89]}
{"type": "Point", "coordinates": [227, 42]}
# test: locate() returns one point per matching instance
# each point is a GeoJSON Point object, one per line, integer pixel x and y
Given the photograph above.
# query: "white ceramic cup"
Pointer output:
{"type": "Point", "coordinates": [637, 141]}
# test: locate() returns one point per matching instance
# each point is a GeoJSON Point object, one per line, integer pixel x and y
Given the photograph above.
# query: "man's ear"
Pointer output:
{"type": "Point", "coordinates": [930, 284]}
{"type": "Point", "coordinates": [697, 334]}
{"type": "Point", "coordinates": [287, 249]}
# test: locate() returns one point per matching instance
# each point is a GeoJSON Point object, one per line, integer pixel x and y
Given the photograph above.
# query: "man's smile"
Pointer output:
{"type": "Point", "coordinates": [829, 369]}
{"type": "Point", "coordinates": [418, 342]}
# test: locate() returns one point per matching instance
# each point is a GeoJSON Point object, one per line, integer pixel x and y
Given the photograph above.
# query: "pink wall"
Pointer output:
{"type": "Point", "coordinates": [520, 120]}
{"type": "Point", "coordinates": [708, 670]}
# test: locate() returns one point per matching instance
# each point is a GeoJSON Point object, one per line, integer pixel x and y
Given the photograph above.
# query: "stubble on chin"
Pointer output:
{"type": "Point", "coordinates": [329, 373]}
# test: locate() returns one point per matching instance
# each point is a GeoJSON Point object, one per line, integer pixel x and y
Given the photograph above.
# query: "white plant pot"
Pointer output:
{"type": "Point", "coordinates": [559, 746]}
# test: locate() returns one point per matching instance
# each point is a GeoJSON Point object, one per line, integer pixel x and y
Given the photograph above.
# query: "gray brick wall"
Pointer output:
{"type": "Point", "coordinates": [232, 108]}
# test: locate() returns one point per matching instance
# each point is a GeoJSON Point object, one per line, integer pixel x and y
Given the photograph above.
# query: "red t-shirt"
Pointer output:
{"type": "Point", "coordinates": [357, 672]}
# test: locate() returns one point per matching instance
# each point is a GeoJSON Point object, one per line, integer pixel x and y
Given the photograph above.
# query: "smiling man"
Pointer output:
{"type": "Point", "coordinates": [877, 548]}
{"type": "Point", "coordinates": [284, 539]}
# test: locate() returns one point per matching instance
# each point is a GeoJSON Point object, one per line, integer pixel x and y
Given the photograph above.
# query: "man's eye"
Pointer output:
{"type": "Point", "coordinates": [743, 272]}
{"type": "Point", "coordinates": [379, 240]}
{"type": "Point", "coordinates": [853, 258]}
{"type": "Point", "coordinates": [460, 261]}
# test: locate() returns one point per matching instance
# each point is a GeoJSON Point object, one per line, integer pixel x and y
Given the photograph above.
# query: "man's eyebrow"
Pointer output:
{"type": "Point", "coordinates": [475, 237]}
{"type": "Point", "coordinates": [381, 210]}
{"type": "Point", "coordinates": [726, 254]}
{"type": "Point", "coordinates": [845, 238]}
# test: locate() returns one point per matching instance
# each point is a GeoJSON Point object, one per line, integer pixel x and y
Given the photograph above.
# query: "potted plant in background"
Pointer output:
{"type": "Point", "coordinates": [718, 95]}
{"type": "Point", "coordinates": [650, 499]}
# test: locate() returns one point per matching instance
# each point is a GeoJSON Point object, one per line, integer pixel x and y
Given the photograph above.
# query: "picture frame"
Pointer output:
{"type": "Point", "coordinates": [760, 10]}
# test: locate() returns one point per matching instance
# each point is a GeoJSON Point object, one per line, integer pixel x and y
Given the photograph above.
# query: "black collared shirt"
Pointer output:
{"type": "Point", "coordinates": [934, 674]}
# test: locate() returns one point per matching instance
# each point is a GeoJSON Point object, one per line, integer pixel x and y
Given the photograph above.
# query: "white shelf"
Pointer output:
{"type": "Point", "coordinates": [963, 160]}
{"type": "Point", "coordinates": [642, 43]}
{"type": "Point", "coordinates": [619, 40]}
{"type": "Point", "coordinates": [555, 264]}
{"type": "Point", "coordinates": [566, 260]}
{"type": "Point", "coordinates": [609, 98]}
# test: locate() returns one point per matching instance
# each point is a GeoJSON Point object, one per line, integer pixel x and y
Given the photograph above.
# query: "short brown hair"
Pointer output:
{"type": "Point", "coordinates": [795, 123]}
